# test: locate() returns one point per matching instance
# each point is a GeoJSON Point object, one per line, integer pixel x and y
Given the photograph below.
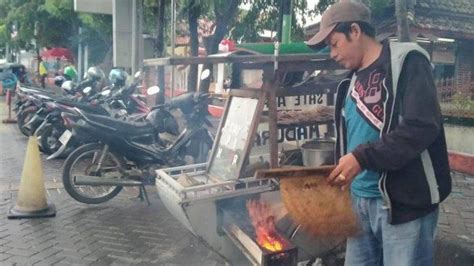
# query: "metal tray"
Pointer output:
{"type": "Point", "coordinates": [211, 189]}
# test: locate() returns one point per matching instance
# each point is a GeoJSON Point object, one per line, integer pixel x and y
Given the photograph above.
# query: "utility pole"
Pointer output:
{"type": "Point", "coordinates": [140, 43]}
{"type": "Point", "coordinates": [403, 30]}
{"type": "Point", "coordinates": [134, 36]}
{"type": "Point", "coordinates": [287, 10]}
{"type": "Point", "coordinates": [86, 57]}
{"type": "Point", "coordinates": [35, 37]}
{"type": "Point", "coordinates": [80, 71]}
{"type": "Point", "coordinates": [137, 36]}
{"type": "Point", "coordinates": [173, 44]}
{"type": "Point", "coordinates": [160, 49]}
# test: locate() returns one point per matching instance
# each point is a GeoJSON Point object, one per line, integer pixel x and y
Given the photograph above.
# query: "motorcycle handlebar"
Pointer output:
{"type": "Point", "coordinates": [163, 105]}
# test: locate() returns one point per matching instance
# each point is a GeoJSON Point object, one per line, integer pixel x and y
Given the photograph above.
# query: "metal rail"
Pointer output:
{"type": "Point", "coordinates": [216, 59]}
{"type": "Point", "coordinates": [212, 191]}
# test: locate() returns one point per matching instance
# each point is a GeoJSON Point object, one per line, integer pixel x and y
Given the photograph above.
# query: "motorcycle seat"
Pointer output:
{"type": "Point", "coordinates": [186, 101]}
{"type": "Point", "coordinates": [85, 107]}
{"type": "Point", "coordinates": [120, 126]}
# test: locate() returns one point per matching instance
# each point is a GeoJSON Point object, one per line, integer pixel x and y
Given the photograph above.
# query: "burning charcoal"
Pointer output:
{"type": "Point", "coordinates": [263, 221]}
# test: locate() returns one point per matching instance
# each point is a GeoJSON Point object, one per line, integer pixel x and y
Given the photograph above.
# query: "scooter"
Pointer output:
{"type": "Point", "coordinates": [128, 153]}
{"type": "Point", "coordinates": [121, 103]}
{"type": "Point", "coordinates": [50, 122]}
{"type": "Point", "coordinates": [31, 102]}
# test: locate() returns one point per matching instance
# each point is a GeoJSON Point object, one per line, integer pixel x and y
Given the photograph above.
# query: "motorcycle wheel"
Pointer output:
{"type": "Point", "coordinates": [23, 119]}
{"type": "Point", "coordinates": [48, 142]}
{"type": "Point", "coordinates": [83, 161]}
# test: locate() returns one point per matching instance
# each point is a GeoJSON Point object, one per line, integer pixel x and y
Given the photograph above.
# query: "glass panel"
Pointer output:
{"type": "Point", "coordinates": [230, 152]}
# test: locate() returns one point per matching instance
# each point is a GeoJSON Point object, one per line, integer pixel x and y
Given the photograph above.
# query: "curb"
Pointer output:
{"type": "Point", "coordinates": [461, 162]}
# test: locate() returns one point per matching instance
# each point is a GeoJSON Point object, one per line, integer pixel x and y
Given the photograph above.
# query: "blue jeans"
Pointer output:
{"type": "Point", "coordinates": [380, 243]}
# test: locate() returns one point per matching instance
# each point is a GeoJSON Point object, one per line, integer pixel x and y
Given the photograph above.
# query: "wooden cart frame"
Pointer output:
{"type": "Point", "coordinates": [273, 69]}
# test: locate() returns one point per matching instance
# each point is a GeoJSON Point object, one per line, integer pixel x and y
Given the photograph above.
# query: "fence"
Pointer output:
{"type": "Point", "coordinates": [456, 97]}
{"type": "Point", "coordinates": [457, 105]}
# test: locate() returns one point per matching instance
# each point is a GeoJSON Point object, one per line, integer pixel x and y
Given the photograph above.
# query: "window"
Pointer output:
{"type": "Point", "coordinates": [443, 71]}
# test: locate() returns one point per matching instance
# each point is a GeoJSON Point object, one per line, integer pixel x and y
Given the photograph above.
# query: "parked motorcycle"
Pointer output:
{"type": "Point", "coordinates": [119, 101]}
{"type": "Point", "coordinates": [31, 102]}
{"type": "Point", "coordinates": [128, 153]}
{"type": "Point", "coordinates": [43, 105]}
{"type": "Point", "coordinates": [51, 125]}
{"type": "Point", "coordinates": [28, 109]}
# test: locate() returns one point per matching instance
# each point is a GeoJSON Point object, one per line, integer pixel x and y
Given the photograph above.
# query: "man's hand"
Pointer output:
{"type": "Point", "coordinates": [345, 171]}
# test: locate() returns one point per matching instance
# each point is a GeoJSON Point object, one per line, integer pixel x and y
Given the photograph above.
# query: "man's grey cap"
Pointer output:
{"type": "Point", "coordinates": [343, 11]}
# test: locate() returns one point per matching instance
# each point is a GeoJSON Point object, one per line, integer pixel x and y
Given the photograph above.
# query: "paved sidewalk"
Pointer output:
{"type": "Point", "coordinates": [125, 231]}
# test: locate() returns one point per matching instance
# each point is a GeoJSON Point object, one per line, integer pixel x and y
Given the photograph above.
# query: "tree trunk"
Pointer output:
{"type": "Point", "coordinates": [222, 22]}
{"type": "Point", "coordinates": [194, 11]}
{"type": "Point", "coordinates": [403, 30]}
{"type": "Point", "coordinates": [107, 62]}
{"type": "Point", "coordinates": [160, 48]}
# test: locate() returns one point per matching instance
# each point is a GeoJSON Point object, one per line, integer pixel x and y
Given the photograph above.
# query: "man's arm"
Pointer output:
{"type": "Point", "coordinates": [420, 125]}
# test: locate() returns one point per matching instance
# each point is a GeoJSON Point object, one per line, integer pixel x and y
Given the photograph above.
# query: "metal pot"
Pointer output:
{"type": "Point", "coordinates": [318, 152]}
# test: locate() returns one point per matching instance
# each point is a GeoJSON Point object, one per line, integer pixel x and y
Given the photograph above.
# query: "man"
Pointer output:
{"type": "Point", "coordinates": [42, 71]}
{"type": "Point", "coordinates": [70, 72]}
{"type": "Point", "coordinates": [390, 146]}
{"type": "Point", "coordinates": [57, 66]}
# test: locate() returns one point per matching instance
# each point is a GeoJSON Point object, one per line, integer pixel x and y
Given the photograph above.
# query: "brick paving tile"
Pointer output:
{"type": "Point", "coordinates": [89, 260]}
{"type": "Point", "coordinates": [3, 235]}
{"type": "Point", "coordinates": [46, 253]}
{"type": "Point", "coordinates": [51, 260]}
{"type": "Point", "coordinates": [18, 260]}
{"type": "Point", "coordinates": [83, 252]}
{"type": "Point", "coordinates": [4, 249]}
{"type": "Point", "coordinates": [4, 256]}
{"type": "Point", "coordinates": [21, 252]}
{"type": "Point", "coordinates": [70, 262]}
{"type": "Point", "coordinates": [117, 248]}
{"type": "Point", "coordinates": [104, 261]}
{"type": "Point", "coordinates": [467, 215]}
{"type": "Point", "coordinates": [72, 254]}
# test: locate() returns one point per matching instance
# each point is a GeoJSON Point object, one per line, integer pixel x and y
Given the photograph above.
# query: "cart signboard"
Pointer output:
{"type": "Point", "coordinates": [230, 152]}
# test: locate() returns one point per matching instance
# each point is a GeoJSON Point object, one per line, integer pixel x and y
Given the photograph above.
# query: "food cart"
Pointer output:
{"type": "Point", "coordinates": [210, 199]}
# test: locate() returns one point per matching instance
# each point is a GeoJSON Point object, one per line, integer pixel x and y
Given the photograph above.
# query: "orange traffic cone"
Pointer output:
{"type": "Point", "coordinates": [31, 201]}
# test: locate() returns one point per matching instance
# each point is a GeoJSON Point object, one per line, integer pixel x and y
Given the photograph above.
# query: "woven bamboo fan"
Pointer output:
{"type": "Point", "coordinates": [319, 208]}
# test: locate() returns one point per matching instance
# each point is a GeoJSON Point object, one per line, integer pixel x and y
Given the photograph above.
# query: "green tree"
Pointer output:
{"type": "Point", "coordinates": [19, 29]}
{"type": "Point", "coordinates": [160, 47]}
{"type": "Point", "coordinates": [194, 10]}
{"type": "Point", "coordinates": [50, 23]}
{"type": "Point", "coordinates": [266, 15]}
{"type": "Point", "coordinates": [96, 30]}
{"type": "Point", "coordinates": [224, 16]}
{"type": "Point", "coordinates": [376, 7]}
{"type": "Point", "coordinates": [221, 11]}
{"type": "Point", "coordinates": [97, 34]}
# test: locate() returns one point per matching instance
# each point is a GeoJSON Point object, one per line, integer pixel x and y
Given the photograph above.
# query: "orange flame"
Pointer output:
{"type": "Point", "coordinates": [268, 241]}
{"type": "Point", "coordinates": [263, 222]}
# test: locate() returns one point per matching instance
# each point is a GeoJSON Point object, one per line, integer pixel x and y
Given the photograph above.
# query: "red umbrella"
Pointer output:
{"type": "Point", "coordinates": [58, 52]}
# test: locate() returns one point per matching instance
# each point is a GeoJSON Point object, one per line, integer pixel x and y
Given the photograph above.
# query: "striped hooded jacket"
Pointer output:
{"type": "Point", "coordinates": [411, 154]}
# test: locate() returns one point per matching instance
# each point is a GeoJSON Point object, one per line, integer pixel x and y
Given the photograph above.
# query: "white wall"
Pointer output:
{"type": "Point", "coordinates": [93, 6]}
{"type": "Point", "coordinates": [459, 138]}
